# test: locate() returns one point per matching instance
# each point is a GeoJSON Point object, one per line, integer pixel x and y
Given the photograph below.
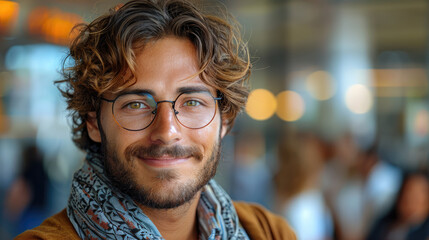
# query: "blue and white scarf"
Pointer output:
{"type": "Point", "coordinates": [98, 210]}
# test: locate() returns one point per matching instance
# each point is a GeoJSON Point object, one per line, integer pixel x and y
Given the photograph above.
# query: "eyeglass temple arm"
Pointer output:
{"type": "Point", "coordinates": [107, 100]}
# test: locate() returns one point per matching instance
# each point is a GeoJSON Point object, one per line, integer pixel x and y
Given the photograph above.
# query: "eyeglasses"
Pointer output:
{"type": "Point", "coordinates": [136, 111]}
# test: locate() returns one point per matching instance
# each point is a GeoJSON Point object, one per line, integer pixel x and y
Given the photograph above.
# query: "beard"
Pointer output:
{"type": "Point", "coordinates": [121, 174]}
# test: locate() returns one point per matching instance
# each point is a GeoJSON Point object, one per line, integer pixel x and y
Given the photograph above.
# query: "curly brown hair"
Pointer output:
{"type": "Point", "coordinates": [103, 53]}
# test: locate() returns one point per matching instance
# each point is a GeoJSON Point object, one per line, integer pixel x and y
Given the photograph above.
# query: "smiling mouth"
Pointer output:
{"type": "Point", "coordinates": [163, 161]}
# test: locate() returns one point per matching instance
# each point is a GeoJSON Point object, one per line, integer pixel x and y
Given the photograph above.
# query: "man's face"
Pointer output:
{"type": "Point", "coordinates": [166, 164]}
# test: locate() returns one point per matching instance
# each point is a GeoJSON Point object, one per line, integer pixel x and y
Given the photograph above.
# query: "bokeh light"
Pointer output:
{"type": "Point", "coordinates": [8, 15]}
{"type": "Point", "coordinates": [359, 99]}
{"type": "Point", "coordinates": [403, 82]}
{"type": "Point", "coordinates": [261, 104]}
{"type": "Point", "coordinates": [290, 106]}
{"type": "Point", "coordinates": [320, 85]}
{"type": "Point", "coordinates": [53, 24]}
{"type": "Point", "coordinates": [421, 124]}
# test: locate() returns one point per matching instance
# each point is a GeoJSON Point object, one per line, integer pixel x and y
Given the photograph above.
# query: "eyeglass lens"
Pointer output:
{"type": "Point", "coordinates": [137, 111]}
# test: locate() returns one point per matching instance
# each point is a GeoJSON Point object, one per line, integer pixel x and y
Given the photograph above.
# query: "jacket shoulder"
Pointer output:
{"type": "Point", "coordinates": [260, 223]}
{"type": "Point", "coordinates": [56, 227]}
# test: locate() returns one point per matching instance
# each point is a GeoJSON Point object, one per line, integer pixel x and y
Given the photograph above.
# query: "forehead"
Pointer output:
{"type": "Point", "coordinates": [167, 66]}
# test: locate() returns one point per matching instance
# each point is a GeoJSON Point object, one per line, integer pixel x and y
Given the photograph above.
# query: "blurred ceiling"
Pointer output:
{"type": "Point", "coordinates": [307, 25]}
{"type": "Point", "coordinates": [392, 24]}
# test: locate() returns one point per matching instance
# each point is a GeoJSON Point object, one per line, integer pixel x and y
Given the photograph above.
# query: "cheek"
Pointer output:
{"type": "Point", "coordinates": [208, 134]}
{"type": "Point", "coordinates": [117, 138]}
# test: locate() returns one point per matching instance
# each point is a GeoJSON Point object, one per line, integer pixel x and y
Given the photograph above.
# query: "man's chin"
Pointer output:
{"type": "Point", "coordinates": [166, 194]}
{"type": "Point", "coordinates": [167, 176]}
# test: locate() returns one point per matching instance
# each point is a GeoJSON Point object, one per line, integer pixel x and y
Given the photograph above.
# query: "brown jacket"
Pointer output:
{"type": "Point", "coordinates": [258, 222]}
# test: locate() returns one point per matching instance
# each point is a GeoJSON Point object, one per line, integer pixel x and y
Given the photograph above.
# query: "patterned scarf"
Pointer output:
{"type": "Point", "coordinates": [98, 210]}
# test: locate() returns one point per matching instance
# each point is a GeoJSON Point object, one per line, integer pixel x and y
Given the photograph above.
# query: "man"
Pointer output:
{"type": "Point", "coordinates": [154, 88]}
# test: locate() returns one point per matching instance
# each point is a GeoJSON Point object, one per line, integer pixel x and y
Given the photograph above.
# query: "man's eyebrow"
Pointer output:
{"type": "Point", "coordinates": [136, 91]}
{"type": "Point", "coordinates": [179, 91]}
{"type": "Point", "coordinates": [193, 89]}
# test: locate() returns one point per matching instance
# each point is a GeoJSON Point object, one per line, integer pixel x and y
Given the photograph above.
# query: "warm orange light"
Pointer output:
{"type": "Point", "coordinates": [399, 82]}
{"type": "Point", "coordinates": [53, 24]}
{"type": "Point", "coordinates": [8, 15]}
{"type": "Point", "coordinates": [401, 77]}
{"type": "Point", "coordinates": [290, 106]}
{"type": "Point", "coordinates": [261, 104]}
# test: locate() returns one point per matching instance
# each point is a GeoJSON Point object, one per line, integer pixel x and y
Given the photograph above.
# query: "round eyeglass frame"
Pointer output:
{"type": "Point", "coordinates": [216, 99]}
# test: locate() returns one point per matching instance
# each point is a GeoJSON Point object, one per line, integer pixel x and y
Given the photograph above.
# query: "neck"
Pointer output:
{"type": "Point", "coordinates": [176, 223]}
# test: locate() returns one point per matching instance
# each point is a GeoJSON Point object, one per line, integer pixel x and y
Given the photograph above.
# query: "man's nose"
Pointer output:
{"type": "Point", "coordinates": [165, 129]}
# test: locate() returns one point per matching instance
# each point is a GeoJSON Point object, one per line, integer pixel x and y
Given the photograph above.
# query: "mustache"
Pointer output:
{"type": "Point", "coordinates": [157, 151]}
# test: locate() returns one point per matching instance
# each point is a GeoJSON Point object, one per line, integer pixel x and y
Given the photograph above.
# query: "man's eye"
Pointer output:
{"type": "Point", "coordinates": [136, 105]}
{"type": "Point", "coordinates": [191, 103]}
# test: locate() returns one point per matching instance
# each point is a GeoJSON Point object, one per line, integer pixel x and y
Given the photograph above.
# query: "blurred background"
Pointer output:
{"type": "Point", "coordinates": [335, 136]}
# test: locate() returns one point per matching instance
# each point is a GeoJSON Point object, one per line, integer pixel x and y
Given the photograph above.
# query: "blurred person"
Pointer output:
{"type": "Point", "coordinates": [26, 199]}
{"type": "Point", "coordinates": [155, 86]}
{"type": "Point", "coordinates": [300, 198]}
{"type": "Point", "coordinates": [358, 186]}
{"type": "Point", "coordinates": [408, 218]}
{"type": "Point", "coordinates": [381, 181]}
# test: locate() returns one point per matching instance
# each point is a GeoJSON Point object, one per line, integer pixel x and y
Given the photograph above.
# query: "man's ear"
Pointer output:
{"type": "Point", "coordinates": [92, 127]}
